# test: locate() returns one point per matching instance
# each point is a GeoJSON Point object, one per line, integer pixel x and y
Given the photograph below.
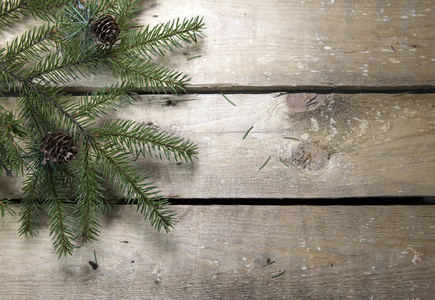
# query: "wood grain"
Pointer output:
{"type": "Point", "coordinates": [349, 145]}
{"type": "Point", "coordinates": [297, 45]}
{"type": "Point", "coordinates": [219, 252]}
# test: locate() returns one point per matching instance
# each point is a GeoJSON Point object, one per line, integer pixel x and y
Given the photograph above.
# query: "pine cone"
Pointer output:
{"type": "Point", "coordinates": [58, 147]}
{"type": "Point", "coordinates": [106, 29]}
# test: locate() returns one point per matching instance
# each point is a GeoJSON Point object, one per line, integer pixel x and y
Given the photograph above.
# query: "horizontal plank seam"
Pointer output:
{"type": "Point", "coordinates": [256, 91]}
{"type": "Point", "coordinates": [354, 201]}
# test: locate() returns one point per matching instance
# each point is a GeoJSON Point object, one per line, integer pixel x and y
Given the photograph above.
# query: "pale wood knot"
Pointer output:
{"type": "Point", "coordinates": [309, 157]}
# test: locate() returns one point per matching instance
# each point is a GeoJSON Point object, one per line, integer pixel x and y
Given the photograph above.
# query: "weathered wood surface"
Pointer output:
{"type": "Point", "coordinates": [350, 145]}
{"type": "Point", "coordinates": [296, 45]}
{"type": "Point", "coordinates": [219, 252]}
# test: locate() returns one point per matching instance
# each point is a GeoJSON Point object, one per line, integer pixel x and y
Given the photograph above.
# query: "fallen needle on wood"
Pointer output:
{"type": "Point", "coordinates": [269, 262]}
{"type": "Point", "coordinates": [247, 132]}
{"type": "Point", "coordinates": [194, 57]}
{"type": "Point", "coordinates": [360, 51]}
{"type": "Point", "coordinates": [265, 163]}
{"type": "Point", "coordinates": [228, 99]}
{"type": "Point", "coordinates": [279, 274]}
{"type": "Point", "coordinates": [291, 138]}
{"type": "Point", "coordinates": [283, 162]}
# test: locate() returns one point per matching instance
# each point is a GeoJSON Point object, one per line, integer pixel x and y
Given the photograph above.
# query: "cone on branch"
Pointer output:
{"type": "Point", "coordinates": [58, 147]}
{"type": "Point", "coordinates": [106, 29]}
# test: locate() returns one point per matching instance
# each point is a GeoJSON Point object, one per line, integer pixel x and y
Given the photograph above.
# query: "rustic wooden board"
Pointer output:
{"type": "Point", "coordinates": [298, 45]}
{"type": "Point", "coordinates": [219, 252]}
{"type": "Point", "coordinates": [350, 145]}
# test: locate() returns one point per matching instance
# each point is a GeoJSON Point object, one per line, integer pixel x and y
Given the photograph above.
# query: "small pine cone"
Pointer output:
{"type": "Point", "coordinates": [106, 29]}
{"type": "Point", "coordinates": [58, 147]}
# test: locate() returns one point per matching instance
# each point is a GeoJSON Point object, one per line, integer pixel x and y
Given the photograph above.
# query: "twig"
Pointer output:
{"type": "Point", "coordinates": [265, 163]}
{"type": "Point", "coordinates": [247, 132]}
{"type": "Point", "coordinates": [228, 99]}
{"type": "Point", "coordinates": [393, 48]}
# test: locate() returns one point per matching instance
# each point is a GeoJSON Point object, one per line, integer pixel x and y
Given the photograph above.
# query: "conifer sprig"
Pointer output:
{"type": "Point", "coordinates": [5, 207]}
{"type": "Point", "coordinates": [30, 205]}
{"type": "Point", "coordinates": [75, 194]}
{"type": "Point", "coordinates": [166, 36]}
{"type": "Point", "coordinates": [102, 101]}
{"type": "Point", "coordinates": [11, 133]}
{"type": "Point", "coordinates": [150, 76]}
{"type": "Point", "coordinates": [89, 194]}
{"type": "Point", "coordinates": [143, 139]}
{"type": "Point", "coordinates": [30, 45]}
{"type": "Point", "coordinates": [126, 11]}
{"type": "Point", "coordinates": [130, 181]}
{"type": "Point", "coordinates": [13, 10]}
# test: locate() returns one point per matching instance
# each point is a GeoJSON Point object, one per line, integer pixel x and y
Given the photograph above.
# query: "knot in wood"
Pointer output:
{"type": "Point", "coordinates": [309, 157]}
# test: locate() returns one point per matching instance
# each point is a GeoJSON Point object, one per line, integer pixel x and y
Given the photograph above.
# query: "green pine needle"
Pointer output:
{"type": "Point", "coordinates": [279, 274]}
{"type": "Point", "coordinates": [291, 138]}
{"type": "Point", "coordinates": [265, 163]}
{"type": "Point", "coordinates": [284, 163]}
{"type": "Point", "coordinates": [226, 98]}
{"type": "Point", "coordinates": [247, 132]}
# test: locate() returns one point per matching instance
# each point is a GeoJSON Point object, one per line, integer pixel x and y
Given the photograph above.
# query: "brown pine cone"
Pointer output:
{"type": "Point", "coordinates": [106, 29]}
{"type": "Point", "coordinates": [58, 147]}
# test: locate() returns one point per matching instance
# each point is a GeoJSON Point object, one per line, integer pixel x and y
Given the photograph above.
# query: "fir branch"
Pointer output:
{"type": "Point", "coordinates": [127, 10]}
{"type": "Point", "coordinates": [129, 181]}
{"type": "Point", "coordinates": [104, 100]}
{"type": "Point", "coordinates": [6, 168]}
{"type": "Point", "coordinates": [45, 9]}
{"type": "Point", "coordinates": [143, 139]}
{"type": "Point", "coordinates": [9, 12]}
{"type": "Point", "coordinates": [60, 225]}
{"type": "Point", "coordinates": [59, 209]}
{"type": "Point", "coordinates": [106, 152]}
{"type": "Point", "coordinates": [54, 108]}
{"type": "Point", "coordinates": [30, 207]}
{"type": "Point", "coordinates": [61, 67]}
{"type": "Point", "coordinates": [31, 115]}
{"type": "Point", "coordinates": [29, 46]}
{"type": "Point", "coordinates": [150, 76]}
{"type": "Point", "coordinates": [29, 216]}
{"type": "Point", "coordinates": [149, 42]}
{"type": "Point", "coordinates": [89, 197]}
{"type": "Point", "coordinates": [12, 76]}
{"type": "Point", "coordinates": [11, 153]}
{"type": "Point", "coordinates": [4, 207]}
{"type": "Point", "coordinates": [12, 10]}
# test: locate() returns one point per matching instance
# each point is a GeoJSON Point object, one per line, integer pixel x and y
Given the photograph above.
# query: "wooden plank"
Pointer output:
{"type": "Point", "coordinates": [298, 45]}
{"type": "Point", "coordinates": [219, 252]}
{"type": "Point", "coordinates": [349, 145]}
